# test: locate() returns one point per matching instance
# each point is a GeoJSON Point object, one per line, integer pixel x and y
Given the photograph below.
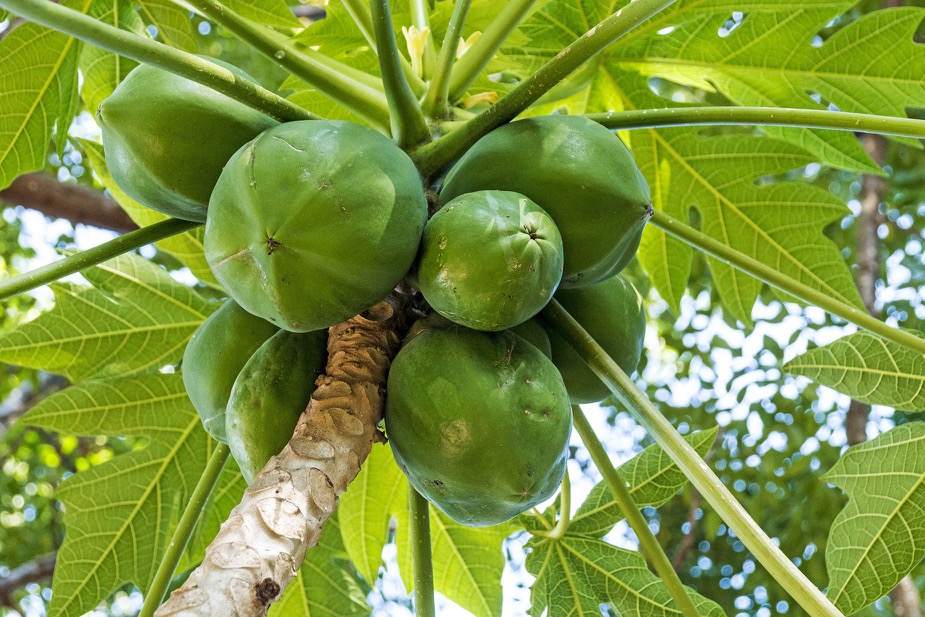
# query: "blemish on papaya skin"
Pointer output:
{"type": "Point", "coordinates": [232, 257]}
{"type": "Point", "coordinates": [272, 245]}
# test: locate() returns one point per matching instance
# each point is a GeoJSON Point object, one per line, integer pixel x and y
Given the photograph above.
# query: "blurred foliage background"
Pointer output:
{"type": "Point", "coordinates": [778, 434]}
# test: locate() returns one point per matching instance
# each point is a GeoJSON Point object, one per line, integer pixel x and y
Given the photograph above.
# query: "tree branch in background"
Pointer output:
{"type": "Point", "coordinates": [30, 572]}
{"type": "Point", "coordinates": [78, 204]}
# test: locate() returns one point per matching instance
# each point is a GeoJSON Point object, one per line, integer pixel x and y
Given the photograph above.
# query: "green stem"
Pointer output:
{"type": "Point", "coordinates": [327, 76]}
{"type": "Point", "coordinates": [565, 509]}
{"type": "Point", "coordinates": [761, 116]}
{"type": "Point", "coordinates": [858, 316]}
{"type": "Point", "coordinates": [686, 458]}
{"type": "Point", "coordinates": [435, 157]}
{"type": "Point", "coordinates": [650, 547]}
{"type": "Point", "coordinates": [420, 17]}
{"type": "Point", "coordinates": [359, 12]}
{"type": "Point", "coordinates": [91, 257]}
{"type": "Point", "coordinates": [421, 554]}
{"type": "Point", "coordinates": [435, 101]}
{"type": "Point", "coordinates": [408, 125]}
{"type": "Point", "coordinates": [184, 530]}
{"type": "Point", "coordinates": [142, 49]}
{"type": "Point", "coordinates": [474, 61]}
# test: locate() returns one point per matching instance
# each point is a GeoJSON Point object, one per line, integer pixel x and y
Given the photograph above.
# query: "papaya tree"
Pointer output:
{"type": "Point", "coordinates": [430, 244]}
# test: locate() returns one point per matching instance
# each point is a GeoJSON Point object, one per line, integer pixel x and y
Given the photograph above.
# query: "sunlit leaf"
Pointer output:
{"type": "Point", "coordinates": [135, 318]}
{"type": "Point", "coordinates": [867, 368]}
{"type": "Point", "coordinates": [38, 90]}
{"type": "Point", "coordinates": [652, 479]}
{"type": "Point", "coordinates": [120, 515]}
{"type": "Point", "coordinates": [171, 23]}
{"type": "Point", "coordinates": [880, 535]}
{"type": "Point", "coordinates": [103, 70]}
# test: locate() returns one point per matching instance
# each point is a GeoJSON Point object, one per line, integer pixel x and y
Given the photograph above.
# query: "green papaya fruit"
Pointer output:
{"type": "Point", "coordinates": [532, 332]}
{"type": "Point", "coordinates": [613, 314]}
{"type": "Point", "coordinates": [489, 260]}
{"type": "Point", "coordinates": [479, 422]}
{"type": "Point", "coordinates": [269, 395]}
{"type": "Point", "coordinates": [166, 138]}
{"type": "Point", "coordinates": [313, 222]}
{"type": "Point", "coordinates": [580, 173]}
{"type": "Point", "coordinates": [215, 355]}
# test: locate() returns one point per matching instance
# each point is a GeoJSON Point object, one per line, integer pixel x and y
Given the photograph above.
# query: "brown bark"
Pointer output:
{"type": "Point", "coordinates": [262, 544]}
{"type": "Point", "coordinates": [20, 576]}
{"type": "Point", "coordinates": [78, 204]}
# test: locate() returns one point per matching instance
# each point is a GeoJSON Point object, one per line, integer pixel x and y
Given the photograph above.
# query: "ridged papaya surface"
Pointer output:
{"type": "Point", "coordinates": [578, 172]}
{"type": "Point", "coordinates": [215, 355]}
{"type": "Point", "coordinates": [313, 222]}
{"type": "Point", "coordinates": [490, 260]}
{"type": "Point", "coordinates": [479, 421]}
{"type": "Point", "coordinates": [166, 138]}
{"type": "Point", "coordinates": [613, 314]}
{"type": "Point", "coordinates": [269, 395]}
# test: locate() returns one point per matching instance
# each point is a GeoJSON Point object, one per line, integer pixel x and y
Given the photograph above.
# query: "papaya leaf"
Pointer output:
{"type": "Point", "coordinates": [186, 247]}
{"type": "Point", "coordinates": [652, 478]}
{"type": "Point", "coordinates": [38, 93]}
{"type": "Point", "coordinates": [274, 13]}
{"type": "Point", "coordinates": [775, 58]}
{"type": "Point", "coordinates": [867, 368]}
{"type": "Point", "coordinates": [880, 535]}
{"type": "Point", "coordinates": [120, 515]}
{"type": "Point", "coordinates": [576, 575]}
{"type": "Point", "coordinates": [322, 585]}
{"type": "Point", "coordinates": [134, 318]}
{"type": "Point", "coordinates": [103, 70]}
{"type": "Point", "coordinates": [173, 24]}
{"type": "Point", "coordinates": [467, 562]}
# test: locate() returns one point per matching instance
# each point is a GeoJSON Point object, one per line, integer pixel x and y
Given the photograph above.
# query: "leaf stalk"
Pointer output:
{"type": "Point", "coordinates": [338, 82]}
{"type": "Point", "coordinates": [434, 158]}
{"type": "Point", "coordinates": [437, 97]}
{"type": "Point", "coordinates": [421, 554]}
{"type": "Point", "coordinates": [184, 530]}
{"type": "Point", "coordinates": [565, 510]}
{"type": "Point", "coordinates": [408, 125]}
{"type": "Point", "coordinates": [686, 458]}
{"type": "Point", "coordinates": [858, 316]}
{"type": "Point", "coordinates": [761, 116]}
{"type": "Point", "coordinates": [649, 545]}
{"type": "Point", "coordinates": [142, 49]}
{"type": "Point", "coordinates": [96, 255]}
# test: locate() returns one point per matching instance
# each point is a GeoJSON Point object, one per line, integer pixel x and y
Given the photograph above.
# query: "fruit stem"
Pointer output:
{"type": "Point", "coordinates": [858, 316]}
{"type": "Point", "coordinates": [420, 18]}
{"type": "Point", "coordinates": [437, 97]}
{"type": "Point", "coordinates": [649, 546]}
{"type": "Point", "coordinates": [142, 49]}
{"type": "Point", "coordinates": [477, 57]}
{"type": "Point", "coordinates": [761, 116]}
{"type": "Point", "coordinates": [686, 458]}
{"type": "Point", "coordinates": [359, 12]}
{"type": "Point", "coordinates": [96, 255]}
{"type": "Point", "coordinates": [435, 157]}
{"type": "Point", "coordinates": [421, 554]}
{"type": "Point", "coordinates": [333, 79]}
{"type": "Point", "coordinates": [409, 128]}
{"type": "Point", "coordinates": [565, 509]}
{"type": "Point", "coordinates": [184, 530]}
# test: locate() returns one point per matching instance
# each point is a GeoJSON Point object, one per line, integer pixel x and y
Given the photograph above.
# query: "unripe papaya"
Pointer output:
{"type": "Point", "coordinates": [532, 332]}
{"type": "Point", "coordinates": [313, 222]}
{"type": "Point", "coordinates": [269, 395]}
{"type": "Point", "coordinates": [215, 355]}
{"type": "Point", "coordinates": [489, 260]}
{"type": "Point", "coordinates": [580, 173]}
{"type": "Point", "coordinates": [166, 138]}
{"type": "Point", "coordinates": [479, 422]}
{"type": "Point", "coordinates": [613, 314]}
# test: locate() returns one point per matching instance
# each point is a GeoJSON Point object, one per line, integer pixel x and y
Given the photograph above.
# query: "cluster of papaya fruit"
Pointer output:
{"type": "Point", "coordinates": [310, 223]}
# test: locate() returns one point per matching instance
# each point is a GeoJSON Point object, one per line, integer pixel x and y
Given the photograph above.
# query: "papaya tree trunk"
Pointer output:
{"type": "Point", "coordinates": [262, 544]}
